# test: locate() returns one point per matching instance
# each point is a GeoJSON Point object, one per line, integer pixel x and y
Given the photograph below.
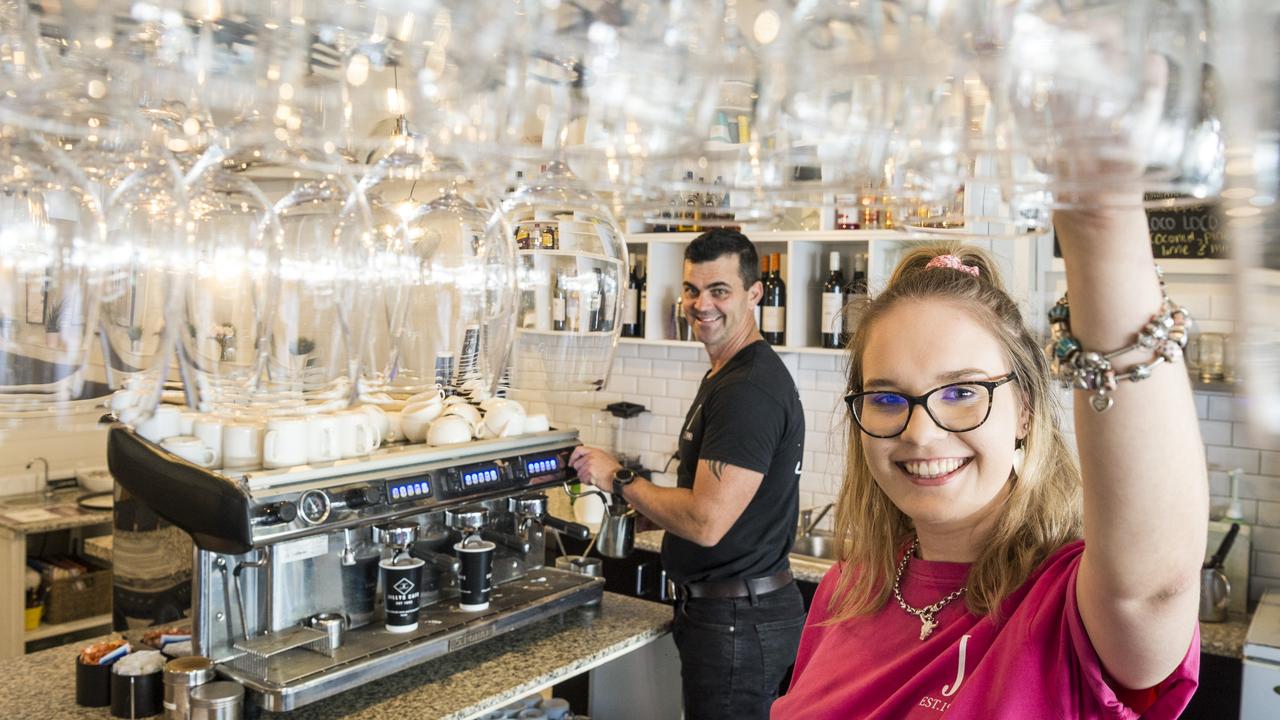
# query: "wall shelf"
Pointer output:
{"type": "Point", "coordinates": [48, 631]}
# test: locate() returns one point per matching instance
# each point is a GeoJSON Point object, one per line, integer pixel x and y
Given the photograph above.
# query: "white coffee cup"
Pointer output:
{"type": "Point", "coordinates": [284, 443]}
{"type": "Point", "coordinates": [536, 423]}
{"type": "Point", "coordinates": [469, 412]}
{"type": "Point", "coordinates": [435, 393]}
{"type": "Point", "coordinates": [165, 422]}
{"type": "Point", "coordinates": [449, 430]}
{"type": "Point", "coordinates": [356, 435]}
{"type": "Point", "coordinates": [378, 419]}
{"type": "Point", "coordinates": [322, 439]}
{"type": "Point", "coordinates": [417, 415]}
{"type": "Point", "coordinates": [189, 448]}
{"type": "Point", "coordinates": [505, 420]}
{"type": "Point", "coordinates": [209, 429]}
{"type": "Point", "coordinates": [589, 510]}
{"type": "Point", "coordinates": [394, 431]}
{"type": "Point", "coordinates": [187, 421]}
{"type": "Point", "coordinates": [242, 445]}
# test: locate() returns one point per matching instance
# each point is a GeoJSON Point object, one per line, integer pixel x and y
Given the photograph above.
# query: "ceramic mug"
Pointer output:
{"type": "Point", "coordinates": [209, 430]}
{"type": "Point", "coordinates": [284, 443]}
{"type": "Point", "coordinates": [356, 434]}
{"type": "Point", "coordinates": [505, 420]}
{"type": "Point", "coordinates": [536, 423]}
{"type": "Point", "coordinates": [165, 422]}
{"type": "Point", "coordinates": [242, 445]}
{"type": "Point", "coordinates": [378, 419]}
{"type": "Point", "coordinates": [468, 412]}
{"type": "Point", "coordinates": [417, 415]}
{"type": "Point", "coordinates": [187, 422]}
{"type": "Point", "coordinates": [189, 448]}
{"type": "Point", "coordinates": [322, 439]}
{"type": "Point", "coordinates": [449, 430]}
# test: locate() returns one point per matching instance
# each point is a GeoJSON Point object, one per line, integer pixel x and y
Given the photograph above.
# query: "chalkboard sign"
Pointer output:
{"type": "Point", "coordinates": [1193, 231]}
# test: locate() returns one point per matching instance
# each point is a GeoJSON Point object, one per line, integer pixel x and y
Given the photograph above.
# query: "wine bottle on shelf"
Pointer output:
{"type": "Point", "coordinates": [711, 206]}
{"type": "Point", "coordinates": [774, 314]}
{"type": "Point", "coordinates": [644, 298]}
{"type": "Point", "coordinates": [558, 304]}
{"type": "Point", "coordinates": [631, 303]}
{"type": "Point", "coordinates": [833, 298]}
{"type": "Point", "coordinates": [858, 286]}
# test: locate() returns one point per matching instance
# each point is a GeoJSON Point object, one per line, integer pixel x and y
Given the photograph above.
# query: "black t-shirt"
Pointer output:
{"type": "Point", "coordinates": [747, 415]}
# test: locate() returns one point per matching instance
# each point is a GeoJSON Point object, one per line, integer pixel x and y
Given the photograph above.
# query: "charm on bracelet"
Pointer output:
{"type": "Point", "coordinates": [1165, 335]}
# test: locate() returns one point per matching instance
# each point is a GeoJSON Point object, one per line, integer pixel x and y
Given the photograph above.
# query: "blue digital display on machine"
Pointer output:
{"type": "Point", "coordinates": [408, 490]}
{"type": "Point", "coordinates": [545, 465]}
{"type": "Point", "coordinates": [481, 477]}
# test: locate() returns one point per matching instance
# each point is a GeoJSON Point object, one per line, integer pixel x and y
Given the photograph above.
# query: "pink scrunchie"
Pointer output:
{"type": "Point", "coordinates": [953, 262]}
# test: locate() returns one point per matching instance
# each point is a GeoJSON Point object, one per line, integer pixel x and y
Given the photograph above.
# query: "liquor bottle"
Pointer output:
{"type": "Point", "coordinates": [522, 237]}
{"type": "Point", "coordinates": [558, 303]}
{"type": "Point", "coordinates": [774, 314]}
{"type": "Point", "coordinates": [631, 306]}
{"type": "Point", "coordinates": [644, 298]}
{"type": "Point", "coordinates": [833, 299]}
{"type": "Point", "coordinates": [764, 280]}
{"type": "Point", "coordinates": [549, 239]}
{"type": "Point", "coordinates": [689, 213]}
{"type": "Point", "coordinates": [711, 205]}
{"type": "Point", "coordinates": [573, 311]}
{"type": "Point", "coordinates": [595, 303]}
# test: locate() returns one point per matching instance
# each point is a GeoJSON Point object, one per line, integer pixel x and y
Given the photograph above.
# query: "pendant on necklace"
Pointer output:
{"type": "Point", "coordinates": [926, 626]}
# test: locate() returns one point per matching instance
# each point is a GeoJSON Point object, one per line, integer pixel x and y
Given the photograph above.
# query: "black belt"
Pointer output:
{"type": "Point", "coordinates": [737, 588]}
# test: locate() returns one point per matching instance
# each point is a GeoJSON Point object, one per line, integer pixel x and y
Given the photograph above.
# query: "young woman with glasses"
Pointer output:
{"type": "Point", "coordinates": [984, 571]}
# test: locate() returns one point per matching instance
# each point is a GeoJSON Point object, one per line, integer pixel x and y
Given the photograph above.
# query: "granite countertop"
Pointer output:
{"type": "Point", "coordinates": [34, 513]}
{"type": "Point", "coordinates": [1224, 638]}
{"type": "Point", "coordinates": [464, 684]}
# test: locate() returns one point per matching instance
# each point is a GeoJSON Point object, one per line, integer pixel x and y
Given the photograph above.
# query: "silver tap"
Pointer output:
{"type": "Point", "coordinates": [808, 522]}
{"type": "Point", "coordinates": [48, 491]}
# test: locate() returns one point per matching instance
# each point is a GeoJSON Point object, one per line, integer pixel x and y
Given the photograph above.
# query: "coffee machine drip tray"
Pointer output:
{"type": "Point", "coordinates": [304, 673]}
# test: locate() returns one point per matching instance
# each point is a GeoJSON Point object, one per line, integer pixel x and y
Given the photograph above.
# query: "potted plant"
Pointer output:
{"type": "Point", "coordinates": [53, 324]}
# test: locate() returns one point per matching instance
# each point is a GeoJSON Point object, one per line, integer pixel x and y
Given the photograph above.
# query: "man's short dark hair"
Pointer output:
{"type": "Point", "coordinates": [718, 242]}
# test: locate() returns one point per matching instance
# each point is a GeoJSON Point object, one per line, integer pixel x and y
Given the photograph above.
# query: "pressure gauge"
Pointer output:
{"type": "Point", "coordinates": [314, 507]}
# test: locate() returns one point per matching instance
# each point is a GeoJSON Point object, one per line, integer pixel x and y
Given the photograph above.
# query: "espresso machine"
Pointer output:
{"type": "Point", "coordinates": [287, 598]}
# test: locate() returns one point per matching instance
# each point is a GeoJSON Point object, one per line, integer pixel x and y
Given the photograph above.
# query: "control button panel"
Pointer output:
{"type": "Point", "coordinates": [542, 466]}
{"type": "Point", "coordinates": [409, 489]}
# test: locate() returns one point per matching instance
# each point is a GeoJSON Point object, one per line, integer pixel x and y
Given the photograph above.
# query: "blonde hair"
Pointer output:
{"type": "Point", "coordinates": [1042, 508]}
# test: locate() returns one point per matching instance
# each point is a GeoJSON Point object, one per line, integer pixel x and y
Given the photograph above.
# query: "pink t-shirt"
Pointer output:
{"type": "Point", "coordinates": [1038, 664]}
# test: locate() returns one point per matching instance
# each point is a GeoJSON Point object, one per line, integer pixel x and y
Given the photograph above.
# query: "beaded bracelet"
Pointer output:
{"type": "Point", "coordinates": [1165, 334]}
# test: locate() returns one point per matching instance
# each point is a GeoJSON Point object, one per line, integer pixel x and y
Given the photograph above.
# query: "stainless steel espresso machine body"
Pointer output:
{"type": "Point", "coordinates": [287, 592]}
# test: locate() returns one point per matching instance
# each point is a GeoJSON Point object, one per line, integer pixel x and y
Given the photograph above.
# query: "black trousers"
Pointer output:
{"type": "Point", "coordinates": [735, 652]}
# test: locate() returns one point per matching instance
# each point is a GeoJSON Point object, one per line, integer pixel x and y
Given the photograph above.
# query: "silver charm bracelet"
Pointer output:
{"type": "Point", "coordinates": [1165, 334]}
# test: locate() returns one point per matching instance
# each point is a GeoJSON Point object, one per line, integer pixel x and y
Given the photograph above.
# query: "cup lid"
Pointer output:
{"type": "Point", "coordinates": [217, 694]}
{"type": "Point", "coordinates": [191, 670]}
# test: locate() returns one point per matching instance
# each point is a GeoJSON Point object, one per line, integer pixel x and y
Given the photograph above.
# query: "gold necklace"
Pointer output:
{"type": "Point", "coordinates": [929, 612]}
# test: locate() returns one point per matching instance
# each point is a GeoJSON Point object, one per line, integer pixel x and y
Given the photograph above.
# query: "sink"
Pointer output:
{"type": "Point", "coordinates": [819, 545]}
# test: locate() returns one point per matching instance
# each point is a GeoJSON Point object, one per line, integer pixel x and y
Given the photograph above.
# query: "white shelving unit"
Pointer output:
{"type": "Point", "coordinates": [804, 267]}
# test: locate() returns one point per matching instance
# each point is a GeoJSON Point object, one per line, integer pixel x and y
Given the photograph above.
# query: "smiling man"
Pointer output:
{"type": "Point", "coordinates": [731, 518]}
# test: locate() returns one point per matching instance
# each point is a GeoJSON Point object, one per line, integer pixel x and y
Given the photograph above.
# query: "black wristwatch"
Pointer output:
{"type": "Point", "coordinates": [622, 477]}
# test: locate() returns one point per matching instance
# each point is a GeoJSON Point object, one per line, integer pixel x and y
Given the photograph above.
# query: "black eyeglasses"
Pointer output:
{"type": "Point", "coordinates": [957, 407]}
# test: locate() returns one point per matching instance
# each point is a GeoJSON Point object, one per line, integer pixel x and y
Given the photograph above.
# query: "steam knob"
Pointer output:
{"type": "Point", "coordinates": [276, 513]}
{"type": "Point", "coordinates": [362, 497]}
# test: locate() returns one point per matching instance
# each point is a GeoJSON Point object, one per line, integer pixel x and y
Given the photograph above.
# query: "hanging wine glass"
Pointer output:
{"type": "Point", "coordinates": [572, 259]}
{"type": "Point", "coordinates": [52, 246]}
{"type": "Point", "coordinates": [230, 291]}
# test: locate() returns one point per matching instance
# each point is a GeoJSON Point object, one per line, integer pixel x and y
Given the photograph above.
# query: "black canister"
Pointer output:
{"type": "Point", "coordinates": [136, 696]}
{"type": "Point", "coordinates": [93, 684]}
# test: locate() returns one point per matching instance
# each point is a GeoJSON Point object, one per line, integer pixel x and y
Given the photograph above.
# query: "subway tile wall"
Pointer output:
{"type": "Point", "coordinates": [664, 379]}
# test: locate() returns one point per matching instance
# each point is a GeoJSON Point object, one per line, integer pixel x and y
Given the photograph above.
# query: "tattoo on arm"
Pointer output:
{"type": "Point", "coordinates": [717, 467]}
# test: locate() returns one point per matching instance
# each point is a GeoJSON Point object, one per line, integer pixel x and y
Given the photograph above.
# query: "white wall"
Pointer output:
{"type": "Point", "coordinates": [665, 379]}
